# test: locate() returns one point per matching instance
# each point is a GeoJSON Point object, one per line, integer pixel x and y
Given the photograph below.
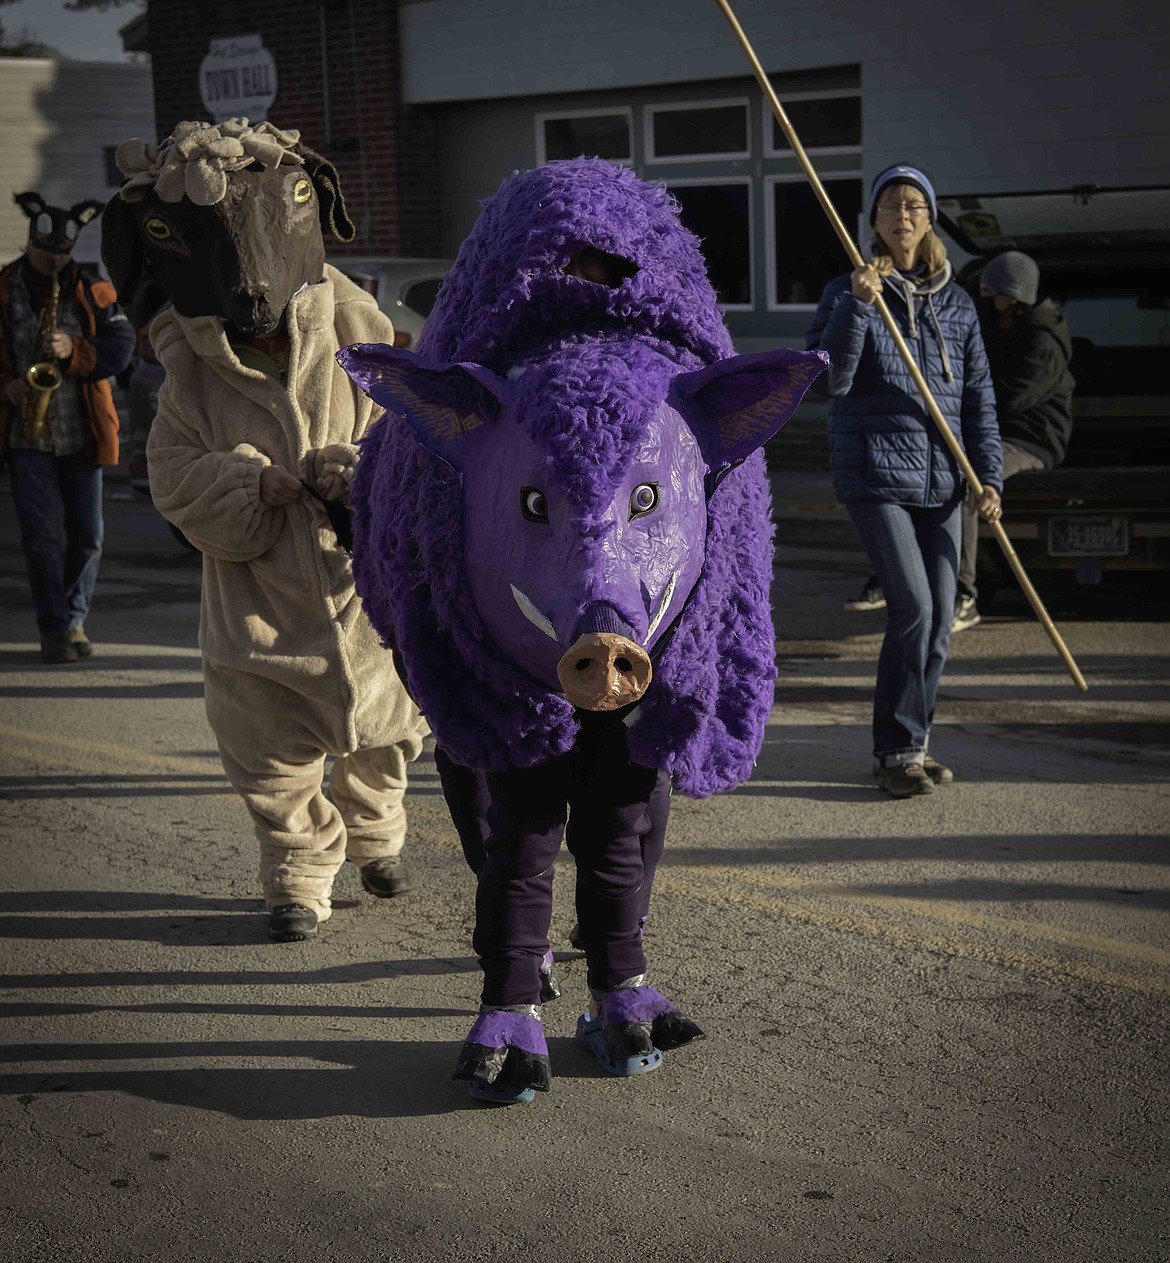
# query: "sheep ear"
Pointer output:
{"type": "Point", "coordinates": [736, 405]}
{"type": "Point", "coordinates": [335, 220]}
{"type": "Point", "coordinates": [31, 203]}
{"type": "Point", "coordinates": [447, 406]}
{"type": "Point", "coordinates": [83, 212]}
{"type": "Point", "coordinates": [122, 247]}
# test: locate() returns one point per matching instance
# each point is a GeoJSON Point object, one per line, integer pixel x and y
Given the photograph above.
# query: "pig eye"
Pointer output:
{"type": "Point", "coordinates": [533, 505]}
{"type": "Point", "coordinates": [157, 229]}
{"type": "Point", "coordinates": [643, 499]}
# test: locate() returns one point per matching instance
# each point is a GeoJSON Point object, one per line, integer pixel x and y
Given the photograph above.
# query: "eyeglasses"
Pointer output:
{"type": "Point", "coordinates": [913, 209]}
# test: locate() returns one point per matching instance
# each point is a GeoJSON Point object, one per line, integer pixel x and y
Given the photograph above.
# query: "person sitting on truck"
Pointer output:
{"type": "Point", "coordinates": [1028, 351]}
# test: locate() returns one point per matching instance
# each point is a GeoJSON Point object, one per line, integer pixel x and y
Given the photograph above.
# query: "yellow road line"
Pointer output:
{"type": "Point", "coordinates": [122, 758]}
{"type": "Point", "coordinates": [857, 912]}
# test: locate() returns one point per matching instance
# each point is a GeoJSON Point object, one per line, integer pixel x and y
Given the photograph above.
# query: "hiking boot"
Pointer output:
{"type": "Point", "coordinates": [938, 773]}
{"type": "Point", "coordinates": [385, 877]}
{"type": "Point", "coordinates": [58, 648]}
{"type": "Point", "coordinates": [80, 641]}
{"type": "Point", "coordinates": [904, 780]}
{"type": "Point", "coordinates": [292, 923]}
{"type": "Point", "coordinates": [966, 614]}
{"type": "Point", "coordinates": [870, 597]}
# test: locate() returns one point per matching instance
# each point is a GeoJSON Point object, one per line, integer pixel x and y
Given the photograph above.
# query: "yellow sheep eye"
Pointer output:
{"type": "Point", "coordinates": [302, 190]}
{"type": "Point", "coordinates": [158, 229]}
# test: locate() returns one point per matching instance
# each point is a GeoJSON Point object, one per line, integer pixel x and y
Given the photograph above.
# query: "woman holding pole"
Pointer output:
{"type": "Point", "coordinates": [900, 484]}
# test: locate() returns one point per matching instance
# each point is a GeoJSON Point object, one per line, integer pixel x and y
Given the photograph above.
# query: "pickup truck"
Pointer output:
{"type": "Point", "coordinates": [1104, 255]}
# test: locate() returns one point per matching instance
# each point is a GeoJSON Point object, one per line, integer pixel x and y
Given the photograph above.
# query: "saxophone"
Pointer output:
{"type": "Point", "coordinates": [43, 375]}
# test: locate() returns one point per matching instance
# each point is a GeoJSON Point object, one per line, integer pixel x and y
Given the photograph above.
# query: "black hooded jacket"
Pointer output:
{"type": "Point", "coordinates": [1029, 364]}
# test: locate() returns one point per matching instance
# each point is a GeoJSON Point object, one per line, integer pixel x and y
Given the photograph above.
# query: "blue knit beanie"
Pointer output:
{"type": "Point", "coordinates": [902, 174]}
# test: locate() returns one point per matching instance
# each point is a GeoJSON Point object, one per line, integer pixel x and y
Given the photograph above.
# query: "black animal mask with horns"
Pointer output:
{"type": "Point", "coordinates": [54, 228]}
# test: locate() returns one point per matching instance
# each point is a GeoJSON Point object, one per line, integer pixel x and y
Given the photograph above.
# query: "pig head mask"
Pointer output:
{"type": "Point", "coordinates": [582, 483]}
{"type": "Point", "coordinates": [228, 219]}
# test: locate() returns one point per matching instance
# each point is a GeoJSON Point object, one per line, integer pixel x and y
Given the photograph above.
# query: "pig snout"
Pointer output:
{"type": "Point", "coordinates": [604, 671]}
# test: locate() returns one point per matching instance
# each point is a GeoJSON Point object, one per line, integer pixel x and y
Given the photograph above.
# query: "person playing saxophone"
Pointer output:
{"type": "Point", "coordinates": [62, 336]}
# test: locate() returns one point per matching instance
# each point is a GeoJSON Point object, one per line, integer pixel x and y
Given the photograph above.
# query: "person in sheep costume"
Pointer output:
{"type": "Point", "coordinates": [253, 443]}
{"type": "Point", "coordinates": [562, 528]}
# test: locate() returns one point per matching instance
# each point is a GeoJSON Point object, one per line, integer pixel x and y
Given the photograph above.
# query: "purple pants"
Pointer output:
{"type": "Point", "coordinates": [511, 825]}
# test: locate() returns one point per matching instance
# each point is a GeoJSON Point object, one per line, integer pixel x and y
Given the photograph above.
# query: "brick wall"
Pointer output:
{"type": "Point", "coordinates": [338, 82]}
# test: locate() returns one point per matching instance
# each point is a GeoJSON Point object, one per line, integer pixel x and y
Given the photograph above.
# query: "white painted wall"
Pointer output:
{"type": "Point", "coordinates": [55, 119]}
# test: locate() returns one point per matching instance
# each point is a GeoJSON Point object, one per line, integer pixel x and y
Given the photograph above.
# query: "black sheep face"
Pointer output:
{"type": "Point", "coordinates": [242, 258]}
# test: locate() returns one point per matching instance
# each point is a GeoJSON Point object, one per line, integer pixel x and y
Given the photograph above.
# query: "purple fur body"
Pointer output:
{"type": "Point", "coordinates": [604, 358]}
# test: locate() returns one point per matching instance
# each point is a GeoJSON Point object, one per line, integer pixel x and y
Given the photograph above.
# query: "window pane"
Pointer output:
{"type": "Point", "coordinates": [593, 136]}
{"type": "Point", "coordinates": [832, 121]}
{"type": "Point", "coordinates": [718, 215]}
{"type": "Point", "coordinates": [421, 295]}
{"type": "Point", "coordinates": [808, 254]}
{"type": "Point", "coordinates": [710, 129]}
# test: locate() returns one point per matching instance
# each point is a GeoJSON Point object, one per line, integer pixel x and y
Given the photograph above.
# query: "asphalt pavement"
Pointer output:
{"type": "Point", "coordinates": [937, 1030]}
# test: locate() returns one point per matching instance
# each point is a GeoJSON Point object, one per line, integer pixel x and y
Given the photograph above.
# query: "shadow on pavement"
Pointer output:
{"type": "Point", "coordinates": [988, 849]}
{"type": "Point", "coordinates": [380, 1078]}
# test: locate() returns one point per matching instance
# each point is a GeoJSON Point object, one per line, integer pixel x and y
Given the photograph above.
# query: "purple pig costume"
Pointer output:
{"type": "Point", "coordinates": [574, 453]}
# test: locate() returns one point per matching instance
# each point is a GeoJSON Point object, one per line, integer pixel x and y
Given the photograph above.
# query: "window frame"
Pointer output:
{"type": "Point", "coordinates": [819, 94]}
{"type": "Point", "coordinates": [626, 111]}
{"type": "Point", "coordinates": [648, 112]}
{"type": "Point", "coordinates": [712, 180]}
{"type": "Point", "coordinates": [770, 183]}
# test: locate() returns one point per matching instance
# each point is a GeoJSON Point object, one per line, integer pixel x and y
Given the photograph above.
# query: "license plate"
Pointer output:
{"type": "Point", "coordinates": [1088, 536]}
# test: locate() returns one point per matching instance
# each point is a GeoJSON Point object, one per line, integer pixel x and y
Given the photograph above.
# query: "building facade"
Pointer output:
{"type": "Point", "coordinates": [426, 105]}
{"type": "Point", "coordinates": [335, 76]}
{"type": "Point", "coordinates": [60, 123]}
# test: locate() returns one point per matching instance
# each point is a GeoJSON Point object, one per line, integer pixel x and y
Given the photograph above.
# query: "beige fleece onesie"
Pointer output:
{"type": "Point", "coordinates": [293, 670]}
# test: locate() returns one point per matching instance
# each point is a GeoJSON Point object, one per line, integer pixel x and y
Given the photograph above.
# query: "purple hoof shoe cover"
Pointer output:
{"type": "Point", "coordinates": [505, 1057]}
{"type": "Point", "coordinates": [633, 1006]}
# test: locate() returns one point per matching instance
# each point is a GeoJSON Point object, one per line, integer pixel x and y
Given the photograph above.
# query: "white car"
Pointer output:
{"type": "Point", "coordinates": [404, 289]}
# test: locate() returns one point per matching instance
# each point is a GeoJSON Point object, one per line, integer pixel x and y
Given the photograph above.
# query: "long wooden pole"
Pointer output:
{"type": "Point", "coordinates": [907, 355]}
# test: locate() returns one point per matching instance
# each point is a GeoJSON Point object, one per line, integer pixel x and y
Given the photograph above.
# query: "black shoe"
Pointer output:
{"type": "Point", "coordinates": [292, 923]}
{"type": "Point", "coordinates": [871, 597]}
{"type": "Point", "coordinates": [904, 780]}
{"type": "Point", "coordinates": [966, 614]}
{"type": "Point", "coordinates": [938, 773]}
{"type": "Point", "coordinates": [58, 649]}
{"type": "Point", "coordinates": [385, 877]}
{"type": "Point", "coordinates": [80, 641]}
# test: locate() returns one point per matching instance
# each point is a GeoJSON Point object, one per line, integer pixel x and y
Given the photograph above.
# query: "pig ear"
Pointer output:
{"type": "Point", "coordinates": [444, 404]}
{"type": "Point", "coordinates": [736, 405]}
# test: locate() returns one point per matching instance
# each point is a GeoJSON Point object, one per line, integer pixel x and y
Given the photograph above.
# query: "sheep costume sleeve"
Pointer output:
{"type": "Point", "coordinates": [510, 301]}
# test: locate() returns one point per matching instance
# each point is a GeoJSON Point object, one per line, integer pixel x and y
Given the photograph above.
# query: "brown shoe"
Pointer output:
{"type": "Point", "coordinates": [291, 923]}
{"type": "Point", "coordinates": [938, 772]}
{"type": "Point", "coordinates": [904, 780]}
{"type": "Point", "coordinates": [80, 641]}
{"type": "Point", "coordinates": [58, 649]}
{"type": "Point", "coordinates": [385, 877]}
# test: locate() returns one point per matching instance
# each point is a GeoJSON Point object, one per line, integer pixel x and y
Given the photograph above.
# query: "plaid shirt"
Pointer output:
{"type": "Point", "coordinates": [67, 429]}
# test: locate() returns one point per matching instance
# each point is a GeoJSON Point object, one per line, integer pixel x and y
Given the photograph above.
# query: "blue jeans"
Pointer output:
{"type": "Point", "coordinates": [915, 554]}
{"type": "Point", "coordinates": [59, 507]}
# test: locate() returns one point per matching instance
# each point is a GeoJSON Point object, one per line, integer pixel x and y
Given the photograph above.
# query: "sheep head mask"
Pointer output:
{"type": "Point", "coordinates": [229, 219]}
